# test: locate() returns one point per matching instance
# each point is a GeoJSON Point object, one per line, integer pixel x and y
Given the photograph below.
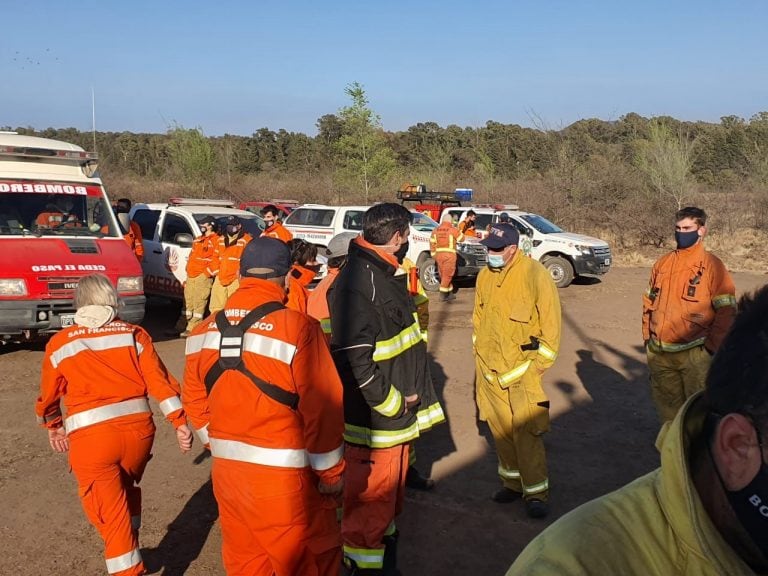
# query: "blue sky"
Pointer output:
{"type": "Point", "coordinates": [235, 66]}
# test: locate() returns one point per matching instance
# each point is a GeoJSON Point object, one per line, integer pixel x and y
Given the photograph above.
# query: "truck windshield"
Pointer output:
{"type": "Point", "coordinates": [58, 214]}
{"type": "Point", "coordinates": [541, 224]}
{"type": "Point", "coordinates": [422, 222]}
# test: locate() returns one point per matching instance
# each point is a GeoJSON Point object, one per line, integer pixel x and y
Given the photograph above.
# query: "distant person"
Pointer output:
{"type": "Point", "coordinates": [467, 226]}
{"type": "Point", "coordinates": [303, 271]}
{"type": "Point", "coordinates": [703, 511]}
{"type": "Point", "coordinates": [687, 310]}
{"type": "Point", "coordinates": [262, 390]}
{"type": "Point", "coordinates": [442, 245]}
{"type": "Point", "coordinates": [197, 288]}
{"type": "Point", "coordinates": [516, 336]}
{"type": "Point", "coordinates": [389, 397]}
{"type": "Point", "coordinates": [225, 263]}
{"type": "Point", "coordinates": [317, 301]}
{"type": "Point", "coordinates": [59, 214]}
{"type": "Point", "coordinates": [133, 234]}
{"type": "Point", "coordinates": [273, 227]}
{"type": "Point", "coordinates": [102, 369]}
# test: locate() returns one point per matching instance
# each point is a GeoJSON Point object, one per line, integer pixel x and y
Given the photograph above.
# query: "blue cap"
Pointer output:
{"type": "Point", "coordinates": [500, 236]}
{"type": "Point", "coordinates": [265, 257]}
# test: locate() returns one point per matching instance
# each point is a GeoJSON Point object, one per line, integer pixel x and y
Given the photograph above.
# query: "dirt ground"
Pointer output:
{"type": "Point", "coordinates": [603, 430]}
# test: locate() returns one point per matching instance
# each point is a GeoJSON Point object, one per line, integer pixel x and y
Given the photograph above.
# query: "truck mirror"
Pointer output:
{"type": "Point", "coordinates": [183, 239]}
{"type": "Point", "coordinates": [124, 221]}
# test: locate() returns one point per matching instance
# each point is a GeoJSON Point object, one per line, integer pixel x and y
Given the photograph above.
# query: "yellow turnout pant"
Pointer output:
{"type": "Point", "coordinates": [518, 415]}
{"type": "Point", "coordinates": [196, 292]}
{"type": "Point", "coordinates": [220, 294]}
{"type": "Point", "coordinates": [675, 377]}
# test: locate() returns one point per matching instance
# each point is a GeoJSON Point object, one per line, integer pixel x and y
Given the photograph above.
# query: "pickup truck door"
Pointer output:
{"type": "Point", "coordinates": [152, 265]}
{"type": "Point", "coordinates": [172, 261]}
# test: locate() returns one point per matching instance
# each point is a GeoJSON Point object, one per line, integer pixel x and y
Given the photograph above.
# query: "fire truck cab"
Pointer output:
{"type": "Point", "coordinates": [56, 226]}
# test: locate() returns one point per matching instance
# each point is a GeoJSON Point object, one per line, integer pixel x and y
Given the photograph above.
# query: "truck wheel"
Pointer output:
{"type": "Point", "coordinates": [560, 269]}
{"type": "Point", "coordinates": [428, 275]}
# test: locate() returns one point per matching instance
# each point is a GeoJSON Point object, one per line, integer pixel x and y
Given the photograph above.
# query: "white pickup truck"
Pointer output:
{"type": "Point", "coordinates": [168, 231]}
{"type": "Point", "coordinates": [318, 223]}
{"type": "Point", "coordinates": [565, 254]}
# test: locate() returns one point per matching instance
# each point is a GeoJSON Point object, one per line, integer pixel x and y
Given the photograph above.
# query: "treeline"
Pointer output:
{"type": "Point", "coordinates": [626, 176]}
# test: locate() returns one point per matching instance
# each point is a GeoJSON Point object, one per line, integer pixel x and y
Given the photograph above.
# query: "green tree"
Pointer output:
{"type": "Point", "coordinates": [365, 159]}
{"type": "Point", "coordinates": [192, 156]}
{"type": "Point", "coordinates": [666, 159]}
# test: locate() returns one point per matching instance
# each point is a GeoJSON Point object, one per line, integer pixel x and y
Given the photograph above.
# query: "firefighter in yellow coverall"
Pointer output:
{"type": "Point", "coordinates": [516, 335]}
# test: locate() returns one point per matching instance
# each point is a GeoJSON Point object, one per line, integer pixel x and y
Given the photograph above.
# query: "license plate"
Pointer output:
{"type": "Point", "coordinates": [67, 320]}
{"type": "Point", "coordinates": [607, 261]}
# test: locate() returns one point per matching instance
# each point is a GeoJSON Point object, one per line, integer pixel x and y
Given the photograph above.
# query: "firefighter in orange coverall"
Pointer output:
{"type": "Point", "coordinates": [225, 263]}
{"type": "Point", "coordinates": [197, 288]}
{"type": "Point", "coordinates": [302, 273]}
{"type": "Point", "coordinates": [317, 301]}
{"type": "Point", "coordinates": [274, 228]}
{"type": "Point", "coordinates": [442, 247]}
{"type": "Point", "coordinates": [688, 308]}
{"type": "Point", "coordinates": [103, 369]}
{"type": "Point", "coordinates": [133, 233]}
{"type": "Point", "coordinates": [266, 398]}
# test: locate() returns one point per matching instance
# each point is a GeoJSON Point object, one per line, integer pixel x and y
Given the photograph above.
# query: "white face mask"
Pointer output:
{"type": "Point", "coordinates": [495, 260]}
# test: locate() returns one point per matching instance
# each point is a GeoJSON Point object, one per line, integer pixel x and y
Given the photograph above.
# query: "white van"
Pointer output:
{"type": "Point", "coordinates": [565, 254]}
{"type": "Point", "coordinates": [318, 223]}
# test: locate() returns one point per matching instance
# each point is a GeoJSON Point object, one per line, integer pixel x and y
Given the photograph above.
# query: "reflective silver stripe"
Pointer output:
{"type": "Point", "coordinates": [229, 352]}
{"type": "Point", "coordinates": [326, 460]}
{"type": "Point", "coordinates": [124, 561]}
{"type": "Point", "coordinates": [536, 488]}
{"type": "Point", "coordinates": [269, 347]}
{"type": "Point", "coordinates": [170, 405]}
{"type": "Point", "coordinates": [98, 343]}
{"type": "Point", "coordinates": [509, 474]}
{"type": "Point", "coordinates": [209, 340]}
{"type": "Point", "coordinates": [202, 433]}
{"type": "Point", "coordinates": [282, 457]}
{"type": "Point", "coordinates": [255, 343]}
{"type": "Point", "coordinates": [231, 341]}
{"type": "Point", "coordinates": [103, 413]}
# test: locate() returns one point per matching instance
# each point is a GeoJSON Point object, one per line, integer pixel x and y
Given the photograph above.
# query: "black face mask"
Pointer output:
{"type": "Point", "coordinates": [401, 252]}
{"type": "Point", "coordinates": [686, 239]}
{"type": "Point", "coordinates": [750, 504]}
{"type": "Point", "coordinates": [232, 230]}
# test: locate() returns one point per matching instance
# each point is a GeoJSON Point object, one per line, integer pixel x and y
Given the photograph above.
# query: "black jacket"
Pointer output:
{"type": "Point", "coordinates": [379, 352]}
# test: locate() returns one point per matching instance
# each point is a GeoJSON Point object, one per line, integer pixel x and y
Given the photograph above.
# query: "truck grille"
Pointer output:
{"type": "Point", "coordinates": [82, 246]}
{"type": "Point", "coordinates": [60, 286]}
{"type": "Point", "coordinates": [602, 251]}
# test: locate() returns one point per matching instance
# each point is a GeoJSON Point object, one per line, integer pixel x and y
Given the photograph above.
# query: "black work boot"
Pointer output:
{"type": "Point", "coordinates": [389, 567]}
{"type": "Point", "coordinates": [416, 481]}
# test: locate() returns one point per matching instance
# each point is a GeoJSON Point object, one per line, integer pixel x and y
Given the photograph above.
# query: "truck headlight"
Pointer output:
{"type": "Point", "coordinates": [130, 284]}
{"type": "Point", "coordinates": [585, 250]}
{"type": "Point", "coordinates": [13, 287]}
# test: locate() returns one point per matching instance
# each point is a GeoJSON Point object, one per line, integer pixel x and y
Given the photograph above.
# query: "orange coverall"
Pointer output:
{"type": "Point", "coordinates": [104, 375]}
{"type": "Point", "coordinates": [135, 241]}
{"type": "Point", "coordinates": [268, 458]}
{"type": "Point", "coordinates": [298, 280]}
{"type": "Point", "coordinates": [442, 246]}
{"type": "Point", "coordinates": [277, 230]}
{"type": "Point", "coordinates": [225, 265]}
{"type": "Point", "coordinates": [317, 302]}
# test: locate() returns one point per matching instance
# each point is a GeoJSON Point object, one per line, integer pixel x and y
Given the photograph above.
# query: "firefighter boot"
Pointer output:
{"type": "Point", "coordinates": [389, 567]}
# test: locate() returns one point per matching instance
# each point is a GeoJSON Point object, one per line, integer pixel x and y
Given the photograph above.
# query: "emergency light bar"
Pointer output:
{"type": "Point", "coordinates": [200, 202]}
{"type": "Point", "coordinates": [28, 152]}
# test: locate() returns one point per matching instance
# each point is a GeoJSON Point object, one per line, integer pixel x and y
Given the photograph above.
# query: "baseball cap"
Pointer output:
{"type": "Point", "coordinates": [339, 244]}
{"type": "Point", "coordinates": [233, 221]}
{"type": "Point", "coordinates": [503, 217]}
{"type": "Point", "coordinates": [265, 257]}
{"type": "Point", "coordinates": [500, 236]}
{"type": "Point", "coordinates": [206, 220]}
